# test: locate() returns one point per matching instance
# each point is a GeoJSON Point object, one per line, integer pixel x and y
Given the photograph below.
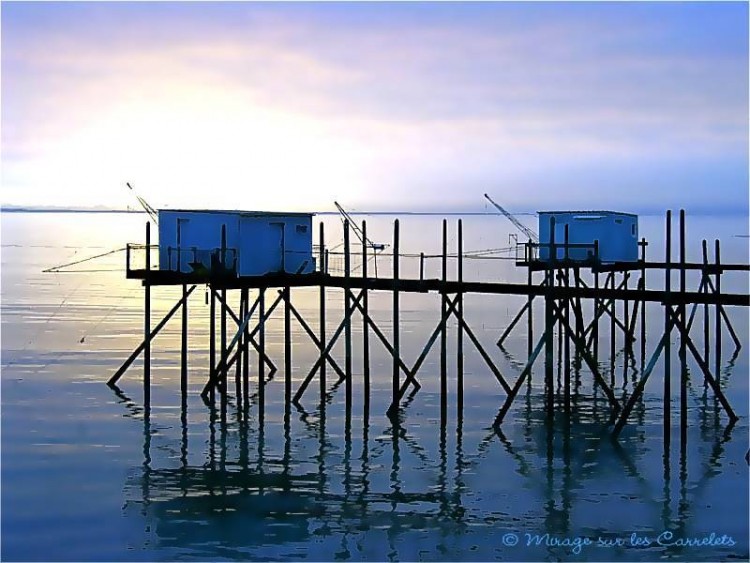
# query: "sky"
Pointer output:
{"type": "Point", "coordinates": [406, 106]}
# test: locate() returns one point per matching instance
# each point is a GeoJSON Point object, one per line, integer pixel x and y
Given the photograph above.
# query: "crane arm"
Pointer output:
{"type": "Point", "coordinates": [146, 207]}
{"type": "Point", "coordinates": [357, 230]}
{"type": "Point", "coordinates": [520, 226]}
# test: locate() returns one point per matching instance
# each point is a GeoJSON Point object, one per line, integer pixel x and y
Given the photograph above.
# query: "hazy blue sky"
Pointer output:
{"type": "Point", "coordinates": [378, 106]}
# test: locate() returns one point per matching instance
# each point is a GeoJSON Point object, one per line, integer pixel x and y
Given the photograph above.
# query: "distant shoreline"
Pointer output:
{"type": "Point", "coordinates": [722, 213]}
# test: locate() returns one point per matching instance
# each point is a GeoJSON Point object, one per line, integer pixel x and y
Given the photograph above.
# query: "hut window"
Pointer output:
{"type": "Point", "coordinates": [301, 228]}
{"type": "Point", "coordinates": [632, 229]}
{"type": "Point", "coordinates": [618, 221]}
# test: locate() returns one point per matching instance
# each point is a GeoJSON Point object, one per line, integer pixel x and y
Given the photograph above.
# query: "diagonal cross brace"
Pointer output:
{"type": "Point", "coordinates": [313, 336]}
{"type": "Point", "coordinates": [326, 352]}
{"type": "Point", "coordinates": [479, 347]}
{"type": "Point", "coordinates": [420, 360]}
{"type": "Point", "coordinates": [590, 362]}
{"type": "Point", "coordinates": [638, 391]}
{"type": "Point", "coordinates": [679, 323]}
{"type": "Point", "coordinates": [517, 385]}
{"type": "Point", "coordinates": [126, 364]}
{"type": "Point", "coordinates": [409, 373]}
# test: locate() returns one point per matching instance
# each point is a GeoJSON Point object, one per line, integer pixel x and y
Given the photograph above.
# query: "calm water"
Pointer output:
{"type": "Point", "coordinates": [86, 477]}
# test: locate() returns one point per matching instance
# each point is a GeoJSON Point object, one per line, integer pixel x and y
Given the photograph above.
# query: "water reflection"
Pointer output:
{"type": "Point", "coordinates": [250, 500]}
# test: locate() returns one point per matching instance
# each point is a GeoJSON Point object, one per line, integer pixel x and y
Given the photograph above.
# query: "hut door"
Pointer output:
{"type": "Point", "coordinates": [278, 246]}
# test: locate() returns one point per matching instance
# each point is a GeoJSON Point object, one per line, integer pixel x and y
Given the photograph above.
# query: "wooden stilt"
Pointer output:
{"type": "Point", "coordinates": [261, 354]}
{"type": "Point", "coordinates": [238, 355]}
{"type": "Point", "coordinates": [460, 329]}
{"type": "Point", "coordinates": [212, 376]}
{"type": "Point", "coordinates": [566, 309]}
{"type": "Point", "coordinates": [347, 321]}
{"type": "Point", "coordinates": [717, 329]}
{"type": "Point", "coordinates": [444, 333]}
{"type": "Point", "coordinates": [246, 354]}
{"type": "Point", "coordinates": [322, 376]}
{"type": "Point", "coordinates": [147, 323]}
{"type": "Point", "coordinates": [549, 322]}
{"type": "Point", "coordinates": [365, 325]}
{"type": "Point", "coordinates": [683, 344]}
{"type": "Point", "coordinates": [287, 352]}
{"type": "Point", "coordinates": [667, 348]}
{"type": "Point", "coordinates": [643, 303]}
{"type": "Point", "coordinates": [395, 383]}
{"type": "Point", "coordinates": [223, 327]}
{"type": "Point", "coordinates": [706, 324]}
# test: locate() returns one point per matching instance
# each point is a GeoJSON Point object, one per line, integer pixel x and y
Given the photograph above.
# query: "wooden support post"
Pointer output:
{"type": "Point", "coordinates": [530, 313]}
{"type": "Point", "coordinates": [626, 313]}
{"type": "Point", "coordinates": [706, 327]}
{"type": "Point", "coordinates": [444, 332]}
{"type": "Point", "coordinates": [246, 353]}
{"type": "Point", "coordinates": [460, 328]}
{"type": "Point", "coordinates": [223, 375]}
{"type": "Point", "coordinates": [261, 354]}
{"type": "Point", "coordinates": [683, 344]}
{"type": "Point", "coordinates": [717, 329]}
{"type": "Point", "coordinates": [322, 257]}
{"type": "Point", "coordinates": [643, 303]}
{"type": "Point", "coordinates": [395, 383]}
{"type": "Point", "coordinates": [238, 355]}
{"type": "Point", "coordinates": [147, 323]}
{"type": "Point", "coordinates": [347, 321]}
{"type": "Point", "coordinates": [212, 348]}
{"type": "Point", "coordinates": [365, 325]}
{"type": "Point", "coordinates": [566, 316]}
{"type": "Point", "coordinates": [127, 363]}
{"type": "Point", "coordinates": [612, 337]}
{"type": "Point", "coordinates": [183, 333]}
{"type": "Point", "coordinates": [549, 321]}
{"type": "Point", "coordinates": [597, 304]}
{"type": "Point", "coordinates": [667, 348]}
{"type": "Point", "coordinates": [287, 353]}
{"type": "Point", "coordinates": [184, 347]}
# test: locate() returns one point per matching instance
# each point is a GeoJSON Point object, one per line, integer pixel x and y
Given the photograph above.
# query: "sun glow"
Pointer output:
{"type": "Point", "coordinates": [204, 149]}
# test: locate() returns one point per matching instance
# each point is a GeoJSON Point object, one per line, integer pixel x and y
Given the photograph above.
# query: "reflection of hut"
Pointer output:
{"type": "Point", "coordinates": [256, 242]}
{"type": "Point", "coordinates": [616, 233]}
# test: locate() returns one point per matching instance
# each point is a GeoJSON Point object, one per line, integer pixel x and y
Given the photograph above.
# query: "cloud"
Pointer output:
{"type": "Point", "coordinates": [397, 105]}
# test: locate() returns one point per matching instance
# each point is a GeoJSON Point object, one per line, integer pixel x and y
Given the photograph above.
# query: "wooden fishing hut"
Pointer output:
{"type": "Point", "coordinates": [263, 251]}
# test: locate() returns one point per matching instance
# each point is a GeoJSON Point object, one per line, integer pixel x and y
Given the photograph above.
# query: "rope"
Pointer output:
{"type": "Point", "coordinates": [58, 268]}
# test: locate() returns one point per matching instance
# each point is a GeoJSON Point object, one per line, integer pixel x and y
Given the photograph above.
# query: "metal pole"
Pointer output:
{"type": "Point", "coordinates": [421, 266]}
